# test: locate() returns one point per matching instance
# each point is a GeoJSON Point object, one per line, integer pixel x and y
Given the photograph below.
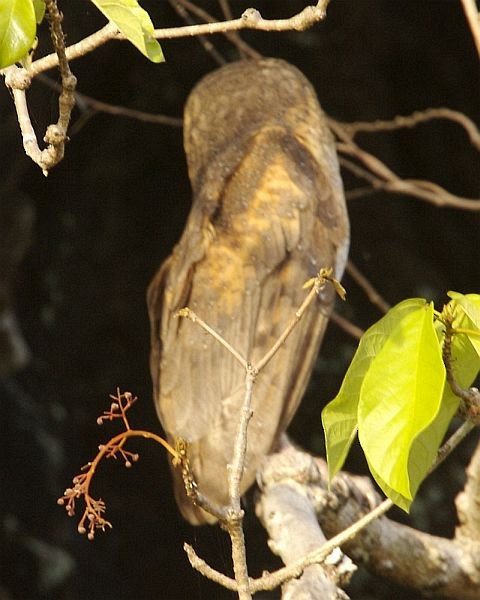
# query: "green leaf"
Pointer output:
{"type": "Point", "coordinates": [17, 30]}
{"type": "Point", "coordinates": [400, 400]}
{"type": "Point", "coordinates": [470, 303]}
{"type": "Point", "coordinates": [39, 7]}
{"type": "Point", "coordinates": [339, 417]}
{"type": "Point", "coordinates": [394, 496]}
{"type": "Point", "coordinates": [135, 24]}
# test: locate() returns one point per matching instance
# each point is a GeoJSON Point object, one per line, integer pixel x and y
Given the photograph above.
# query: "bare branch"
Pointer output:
{"type": "Point", "coordinates": [324, 276]}
{"type": "Point", "coordinates": [381, 542]}
{"type": "Point", "coordinates": [346, 325]}
{"type": "Point", "coordinates": [250, 19]}
{"type": "Point", "coordinates": [206, 570]}
{"type": "Point", "coordinates": [233, 36]}
{"type": "Point", "coordinates": [187, 313]}
{"type": "Point", "coordinates": [382, 178]}
{"type": "Point", "coordinates": [409, 121]}
{"type": "Point", "coordinates": [209, 48]}
{"type": "Point", "coordinates": [19, 80]}
{"type": "Point", "coordinates": [372, 294]}
{"type": "Point", "coordinates": [113, 109]}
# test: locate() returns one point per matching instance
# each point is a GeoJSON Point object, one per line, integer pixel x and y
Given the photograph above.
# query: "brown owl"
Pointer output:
{"type": "Point", "coordinates": [268, 212]}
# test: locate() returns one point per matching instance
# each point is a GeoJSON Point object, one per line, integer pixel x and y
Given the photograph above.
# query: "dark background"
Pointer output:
{"type": "Point", "coordinates": [106, 217]}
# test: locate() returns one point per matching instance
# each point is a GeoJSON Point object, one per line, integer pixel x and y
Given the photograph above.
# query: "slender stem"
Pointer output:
{"type": "Point", "coordinates": [187, 313]}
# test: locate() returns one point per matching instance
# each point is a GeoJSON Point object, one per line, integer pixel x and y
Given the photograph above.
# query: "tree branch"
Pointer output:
{"type": "Point", "coordinates": [391, 550]}
{"type": "Point", "coordinates": [18, 80]}
{"type": "Point", "coordinates": [250, 19]}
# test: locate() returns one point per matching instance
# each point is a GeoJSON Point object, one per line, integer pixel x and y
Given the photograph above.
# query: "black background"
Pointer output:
{"type": "Point", "coordinates": [108, 215]}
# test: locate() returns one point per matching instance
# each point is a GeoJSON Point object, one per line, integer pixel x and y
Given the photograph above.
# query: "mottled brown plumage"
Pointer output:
{"type": "Point", "coordinates": [268, 211]}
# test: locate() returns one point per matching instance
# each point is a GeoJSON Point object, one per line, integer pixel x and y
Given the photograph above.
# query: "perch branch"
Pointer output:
{"type": "Point", "coordinates": [342, 515]}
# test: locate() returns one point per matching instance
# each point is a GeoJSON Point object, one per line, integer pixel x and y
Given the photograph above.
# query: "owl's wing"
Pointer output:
{"type": "Point", "coordinates": [242, 270]}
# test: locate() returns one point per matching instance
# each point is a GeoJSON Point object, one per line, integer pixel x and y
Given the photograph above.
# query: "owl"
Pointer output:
{"type": "Point", "coordinates": [268, 212]}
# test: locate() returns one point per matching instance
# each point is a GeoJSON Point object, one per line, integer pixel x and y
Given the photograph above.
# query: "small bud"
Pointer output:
{"type": "Point", "coordinates": [81, 529]}
{"type": "Point", "coordinates": [135, 457]}
{"type": "Point", "coordinates": [128, 464]}
{"type": "Point", "coordinates": [91, 535]}
{"type": "Point", "coordinates": [101, 447]}
{"type": "Point", "coordinates": [113, 407]}
{"type": "Point", "coordinates": [99, 421]}
{"type": "Point", "coordinates": [61, 501]}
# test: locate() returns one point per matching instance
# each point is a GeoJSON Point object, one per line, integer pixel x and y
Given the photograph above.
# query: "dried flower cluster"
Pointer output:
{"type": "Point", "coordinates": [92, 517]}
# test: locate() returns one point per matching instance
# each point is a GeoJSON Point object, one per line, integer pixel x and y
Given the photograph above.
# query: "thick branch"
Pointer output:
{"type": "Point", "coordinates": [433, 565]}
{"type": "Point", "coordinates": [285, 507]}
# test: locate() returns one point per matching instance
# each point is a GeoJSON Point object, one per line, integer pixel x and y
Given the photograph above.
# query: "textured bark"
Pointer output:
{"type": "Point", "coordinates": [287, 511]}
{"type": "Point", "coordinates": [436, 566]}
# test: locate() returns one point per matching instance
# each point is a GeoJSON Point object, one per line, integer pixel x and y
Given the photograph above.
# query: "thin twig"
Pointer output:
{"type": "Point", "coordinates": [409, 121]}
{"type": "Point", "coordinates": [207, 571]}
{"type": "Point", "coordinates": [187, 313]}
{"type": "Point", "coordinates": [235, 474]}
{"type": "Point", "coordinates": [113, 109]}
{"type": "Point", "coordinates": [347, 326]}
{"type": "Point", "coordinates": [323, 276]}
{"type": "Point", "coordinates": [372, 294]}
{"type": "Point", "coordinates": [382, 178]}
{"type": "Point", "coordinates": [473, 18]}
{"type": "Point", "coordinates": [207, 45]}
{"type": "Point", "coordinates": [244, 49]}
{"type": "Point", "coordinates": [232, 36]}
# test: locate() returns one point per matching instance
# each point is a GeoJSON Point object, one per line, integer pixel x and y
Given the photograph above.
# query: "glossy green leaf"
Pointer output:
{"type": "Point", "coordinates": [400, 400]}
{"type": "Point", "coordinates": [135, 24]}
{"type": "Point", "coordinates": [339, 417]}
{"type": "Point", "coordinates": [39, 7]}
{"type": "Point", "coordinates": [17, 30]}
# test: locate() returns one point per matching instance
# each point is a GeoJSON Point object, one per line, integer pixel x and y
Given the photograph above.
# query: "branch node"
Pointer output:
{"type": "Point", "coordinates": [17, 78]}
